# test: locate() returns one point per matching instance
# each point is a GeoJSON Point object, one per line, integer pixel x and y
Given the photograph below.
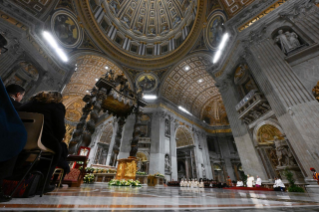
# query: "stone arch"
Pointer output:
{"type": "Point", "coordinates": [273, 124]}
{"type": "Point", "coordinates": [188, 83]}
{"type": "Point", "coordinates": [183, 137]}
{"type": "Point", "coordinates": [74, 56]}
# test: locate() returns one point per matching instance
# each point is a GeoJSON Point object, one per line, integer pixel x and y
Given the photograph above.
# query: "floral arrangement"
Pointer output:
{"type": "Point", "coordinates": [88, 178]}
{"type": "Point", "coordinates": [159, 175]}
{"type": "Point", "coordinates": [114, 182]}
{"type": "Point", "coordinates": [98, 170]}
{"type": "Point", "coordinates": [140, 173]}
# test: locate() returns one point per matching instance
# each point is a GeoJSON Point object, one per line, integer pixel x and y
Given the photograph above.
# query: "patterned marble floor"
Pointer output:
{"type": "Point", "coordinates": [101, 197]}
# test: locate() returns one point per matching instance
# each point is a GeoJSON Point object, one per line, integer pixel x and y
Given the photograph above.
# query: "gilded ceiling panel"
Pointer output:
{"type": "Point", "coordinates": [183, 137]}
{"type": "Point", "coordinates": [191, 88]}
{"type": "Point", "coordinates": [232, 7]}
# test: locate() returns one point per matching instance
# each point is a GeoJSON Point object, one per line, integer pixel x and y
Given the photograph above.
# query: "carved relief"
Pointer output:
{"type": "Point", "coordinates": [267, 134]}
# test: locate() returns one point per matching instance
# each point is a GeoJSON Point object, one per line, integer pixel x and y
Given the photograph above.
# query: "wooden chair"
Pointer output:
{"type": "Point", "coordinates": [33, 123]}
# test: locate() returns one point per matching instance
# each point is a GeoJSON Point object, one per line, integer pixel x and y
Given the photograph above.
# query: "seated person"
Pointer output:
{"type": "Point", "coordinates": [50, 105]}
{"type": "Point", "coordinates": [16, 93]}
{"type": "Point", "coordinates": [13, 133]}
{"type": "Point", "coordinates": [240, 183]}
{"type": "Point", "coordinates": [279, 185]}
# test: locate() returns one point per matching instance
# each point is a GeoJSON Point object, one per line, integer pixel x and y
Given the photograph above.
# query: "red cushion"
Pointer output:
{"type": "Point", "coordinates": [73, 175]}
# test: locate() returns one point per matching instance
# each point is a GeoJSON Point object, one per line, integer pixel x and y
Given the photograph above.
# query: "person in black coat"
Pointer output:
{"type": "Point", "coordinates": [13, 135]}
{"type": "Point", "coordinates": [50, 105]}
{"type": "Point", "coordinates": [16, 93]}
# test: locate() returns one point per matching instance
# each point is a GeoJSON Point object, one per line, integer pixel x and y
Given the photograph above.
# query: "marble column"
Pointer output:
{"type": "Point", "coordinates": [110, 153]}
{"type": "Point", "coordinates": [250, 160]}
{"type": "Point", "coordinates": [295, 108]}
{"type": "Point", "coordinates": [127, 136]}
{"type": "Point", "coordinates": [157, 152]}
{"type": "Point", "coordinates": [205, 152]}
{"type": "Point", "coordinates": [173, 149]}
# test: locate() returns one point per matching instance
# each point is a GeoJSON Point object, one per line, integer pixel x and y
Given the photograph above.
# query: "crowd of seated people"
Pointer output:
{"type": "Point", "coordinates": [14, 135]}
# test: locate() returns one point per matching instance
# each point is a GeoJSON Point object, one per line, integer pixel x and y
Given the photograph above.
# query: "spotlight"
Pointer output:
{"type": "Point", "coordinates": [52, 42]}
{"type": "Point", "coordinates": [221, 48]}
{"type": "Point", "coordinates": [187, 68]}
{"type": "Point", "coordinates": [150, 97]}
{"type": "Point", "coordinates": [184, 110]}
{"type": "Point", "coordinates": [106, 67]}
{"type": "Point", "coordinates": [200, 80]}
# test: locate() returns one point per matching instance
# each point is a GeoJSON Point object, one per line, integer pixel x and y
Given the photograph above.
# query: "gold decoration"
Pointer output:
{"type": "Point", "coordinates": [315, 91]}
{"type": "Point", "coordinates": [267, 133]}
{"type": "Point", "coordinates": [215, 112]}
{"type": "Point", "coordinates": [141, 157]}
{"type": "Point", "coordinates": [68, 135]}
{"type": "Point", "coordinates": [261, 15]}
{"type": "Point", "coordinates": [126, 168]}
{"type": "Point", "coordinates": [183, 137]}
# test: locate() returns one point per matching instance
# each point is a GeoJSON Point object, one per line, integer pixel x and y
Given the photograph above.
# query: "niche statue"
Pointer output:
{"type": "Point", "coordinates": [288, 41]}
{"type": "Point", "coordinates": [167, 164]}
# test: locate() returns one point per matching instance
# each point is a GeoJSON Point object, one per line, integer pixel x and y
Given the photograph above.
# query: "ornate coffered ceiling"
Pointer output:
{"type": "Point", "coordinates": [193, 88]}
{"type": "Point", "coordinates": [135, 34]}
{"type": "Point", "coordinates": [150, 20]}
{"type": "Point", "coordinates": [232, 7]}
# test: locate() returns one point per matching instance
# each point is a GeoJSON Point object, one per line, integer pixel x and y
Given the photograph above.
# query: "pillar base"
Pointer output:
{"type": "Point", "coordinates": [126, 168]}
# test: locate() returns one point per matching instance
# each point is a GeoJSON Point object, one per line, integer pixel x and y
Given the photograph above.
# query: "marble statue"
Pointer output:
{"type": "Point", "coordinates": [167, 164]}
{"type": "Point", "coordinates": [288, 41]}
{"type": "Point", "coordinates": [284, 155]}
{"type": "Point", "coordinates": [293, 39]}
{"type": "Point", "coordinates": [203, 171]}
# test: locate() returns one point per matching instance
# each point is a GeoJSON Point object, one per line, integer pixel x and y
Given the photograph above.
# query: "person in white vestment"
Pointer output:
{"type": "Point", "coordinates": [258, 182]}
{"type": "Point", "coordinates": [279, 185]}
{"type": "Point", "coordinates": [250, 180]}
{"type": "Point", "coordinates": [240, 183]}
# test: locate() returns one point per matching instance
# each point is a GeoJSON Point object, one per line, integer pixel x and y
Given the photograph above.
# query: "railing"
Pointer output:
{"type": "Point", "coordinates": [248, 97]}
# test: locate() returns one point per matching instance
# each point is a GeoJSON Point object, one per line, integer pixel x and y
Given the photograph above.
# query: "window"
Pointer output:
{"type": "Point", "coordinates": [178, 42]}
{"type": "Point", "coordinates": [104, 25]}
{"type": "Point", "coordinates": [164, 49]}
{"type": "Point", "coordinates": [118, 40]}
{"type": "Point", "coordinates": [149, 51]}
{"type": "Point", "coordinates": [133, 48]}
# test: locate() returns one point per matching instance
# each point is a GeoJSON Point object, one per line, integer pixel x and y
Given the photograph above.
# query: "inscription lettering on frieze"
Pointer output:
{"type": "Point", "coordinates": [12, 21]}
{"type": "Point", "coordinates": [261, 15]}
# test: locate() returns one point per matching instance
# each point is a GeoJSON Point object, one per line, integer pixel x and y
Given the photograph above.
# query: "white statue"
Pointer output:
{"type": "Point", "coordinates": [288, 41]}
{"type": "Point", "coordinates": [284, 42]}
{"type": "Point", "coordinates": [293, 39]}
{"type": "Point", "coordinates": [167, 164]}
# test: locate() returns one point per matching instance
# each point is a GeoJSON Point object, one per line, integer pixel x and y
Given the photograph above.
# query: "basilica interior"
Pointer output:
{"type": "Point", "coordinates": [179, 89]}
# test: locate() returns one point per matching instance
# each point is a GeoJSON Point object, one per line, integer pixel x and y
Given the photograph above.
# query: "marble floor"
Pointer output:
{"type": "Point", "coordinates": [101, 197]}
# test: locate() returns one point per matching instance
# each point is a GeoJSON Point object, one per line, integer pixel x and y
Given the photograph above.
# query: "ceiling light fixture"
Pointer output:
{"type": "Point", "coordinates": [221, 48]}
{"type": "Point", "coordinates": [150, 97]}
{"type": "Point", "coordinates": [200, 80]}
{"type": "Point", "coordinates": [87, 91]}
{"type": "Point", "coordinates": [184, 110]}
{"type": "Point", "coordinates": [187, 68]}
{"type": "Point", "coordinates": [96, 79]}
{"type": "Point", "coordinates": [106, 67]}
{"type": "Point", "coordinates": [52, 42]}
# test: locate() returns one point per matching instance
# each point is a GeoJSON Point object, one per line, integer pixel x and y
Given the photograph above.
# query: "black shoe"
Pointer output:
{"type": "Point", "coordinates": [4, 198]}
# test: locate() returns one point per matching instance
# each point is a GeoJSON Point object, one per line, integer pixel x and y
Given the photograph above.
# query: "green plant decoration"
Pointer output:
{"type": "Point", "coordinates": [290, 177]}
